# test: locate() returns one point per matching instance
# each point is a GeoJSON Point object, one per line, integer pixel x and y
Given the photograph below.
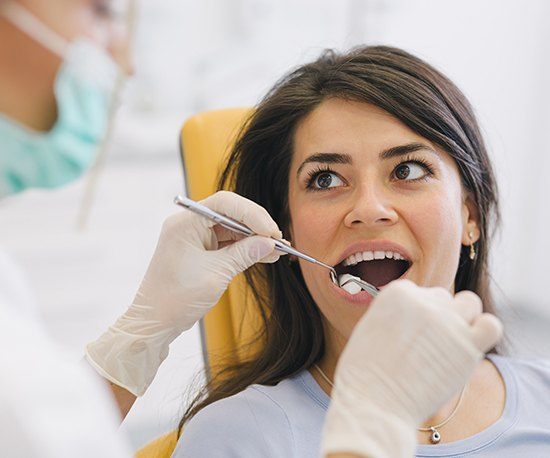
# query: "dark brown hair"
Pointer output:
{"type": "Point", "coordinates": [412, 91]}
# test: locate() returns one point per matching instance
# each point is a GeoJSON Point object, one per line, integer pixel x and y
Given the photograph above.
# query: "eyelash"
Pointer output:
{"type": "Point", "coordinates": [314, 173]}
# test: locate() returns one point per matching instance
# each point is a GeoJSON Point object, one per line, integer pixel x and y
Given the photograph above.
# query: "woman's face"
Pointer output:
{"type": "Point", "coordinates": [362, 182]}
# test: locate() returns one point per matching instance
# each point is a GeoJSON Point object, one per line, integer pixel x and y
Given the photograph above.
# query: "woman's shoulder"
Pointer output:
{"type": "Point", "coordinates": [536, 369]}
{"type": "Point", "coordinates": [258, 421]}
{"type": "Point", "coordinates": [527, 383]}
{"type": "Point", "coordinates": [529, 377]}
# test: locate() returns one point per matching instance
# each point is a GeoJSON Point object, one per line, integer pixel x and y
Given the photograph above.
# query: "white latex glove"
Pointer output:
{"type": "Point", "coordinates": [194, 262]}
{"type": "Point", "coordinates": [408, 355]}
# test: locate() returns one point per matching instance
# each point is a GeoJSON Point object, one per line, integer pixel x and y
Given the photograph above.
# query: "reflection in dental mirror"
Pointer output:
{"type": "Point", "coordinates": [346, 282]}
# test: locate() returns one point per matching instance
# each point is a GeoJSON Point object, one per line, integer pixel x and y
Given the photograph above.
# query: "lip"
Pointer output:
{"type": "Point", "coordinates": [364, 298]}
{"type": "Point", "coordinates": [374, 245]}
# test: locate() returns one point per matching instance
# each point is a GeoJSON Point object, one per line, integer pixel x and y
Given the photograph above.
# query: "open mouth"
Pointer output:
{"type": "Point", "coordinates": [375, 267]}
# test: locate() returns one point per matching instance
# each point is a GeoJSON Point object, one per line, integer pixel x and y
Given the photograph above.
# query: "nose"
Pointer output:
{"type": "Point", "coordinates": [372, 205]}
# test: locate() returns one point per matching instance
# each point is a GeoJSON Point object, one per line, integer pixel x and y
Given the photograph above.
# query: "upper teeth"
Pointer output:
{"type": "Point", "coordinates": [370, 255]}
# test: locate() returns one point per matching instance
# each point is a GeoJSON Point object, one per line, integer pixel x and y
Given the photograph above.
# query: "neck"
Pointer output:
{"type": "Point", "coordinates": [334, 345]}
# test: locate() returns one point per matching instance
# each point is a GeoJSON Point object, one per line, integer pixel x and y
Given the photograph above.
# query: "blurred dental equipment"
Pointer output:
{"type": "Point", "coordinates": [240, 228]}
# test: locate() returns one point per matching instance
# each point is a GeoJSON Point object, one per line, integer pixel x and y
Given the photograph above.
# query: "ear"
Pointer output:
{"type": "Point", "coordinates": [470, 220]}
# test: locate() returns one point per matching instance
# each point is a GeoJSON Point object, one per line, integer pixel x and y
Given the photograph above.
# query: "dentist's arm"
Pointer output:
{"type": "Point", "coordinates": [194, 262]}
{"type": "Point", "coordinates": [409, 354]}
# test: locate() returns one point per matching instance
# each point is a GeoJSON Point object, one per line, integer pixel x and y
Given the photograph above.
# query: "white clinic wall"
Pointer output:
{"type": "Point", "coordinates": [195, 56]}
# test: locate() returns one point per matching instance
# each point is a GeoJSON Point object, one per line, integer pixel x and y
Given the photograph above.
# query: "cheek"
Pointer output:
{"type": "Point", "coordinates": [312, 232]}
{"type": "Point", "coordinates": [312, 228]}
{"type": "Point", "coordinates": [309, 230]}
{"type": "Point", "coordinates": [437, 227]}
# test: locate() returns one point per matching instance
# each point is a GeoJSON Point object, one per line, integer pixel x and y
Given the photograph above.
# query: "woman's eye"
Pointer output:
{"type": "Point", "coordinates": [326, 180]}
{"type": "Point", "coordinates": [410, 171]}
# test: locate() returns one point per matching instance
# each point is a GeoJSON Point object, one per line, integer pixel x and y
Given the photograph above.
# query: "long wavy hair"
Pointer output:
{"type": "Point", "coordinates": [291, 337]}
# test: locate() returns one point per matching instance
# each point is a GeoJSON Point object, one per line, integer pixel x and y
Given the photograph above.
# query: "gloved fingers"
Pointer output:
{"type": "Point", "coordinates": [468, 305]}
{"type": "Point", "coordinates": [241, 255]}
{"type": "Point", "coordinates": [245, 211]}
{"type": "Point", "coordinates": [440, 292]}
{"type": "Point", "coordinates": [227, 237]}
{"type": "Point", "coordinates": [273, 257]}
{"type": "Point", "coordinates": [486, 331]}
{"type": "Point", "coordinates": [465, 304]}
{"type": "Point", "coordinates": [431, 299]}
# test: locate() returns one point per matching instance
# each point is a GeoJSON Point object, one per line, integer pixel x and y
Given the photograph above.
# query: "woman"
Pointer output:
{"type": "Point", "coordinates": [371, 161]}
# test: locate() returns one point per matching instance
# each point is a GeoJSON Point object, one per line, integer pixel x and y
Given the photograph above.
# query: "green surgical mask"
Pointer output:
{"type": "Point", "coordinates": [84, 88]}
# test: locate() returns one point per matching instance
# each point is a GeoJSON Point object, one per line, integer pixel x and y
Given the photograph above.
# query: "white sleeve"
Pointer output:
{"type": "Point", "coordinates": [14, 289]}
{"type": "Point", "coordinates": [50, 406]}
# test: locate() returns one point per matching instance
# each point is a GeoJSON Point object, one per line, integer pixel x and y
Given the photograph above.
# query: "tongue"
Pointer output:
{"type": "Point", "coordinates": [379, 272]}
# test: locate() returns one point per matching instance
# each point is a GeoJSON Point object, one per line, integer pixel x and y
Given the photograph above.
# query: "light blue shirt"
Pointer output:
{"type": "Point", "coordinates": [286, 420]}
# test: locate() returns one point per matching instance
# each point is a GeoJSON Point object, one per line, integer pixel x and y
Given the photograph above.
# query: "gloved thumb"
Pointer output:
{"type": "Point", "coordinates": [486, 331]}
{"type": "Point", "coordinates": [247, 252]}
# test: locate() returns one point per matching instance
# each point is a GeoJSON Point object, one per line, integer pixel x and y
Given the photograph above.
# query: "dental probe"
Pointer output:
{"type": "Point", "coordinates": [235, 226]}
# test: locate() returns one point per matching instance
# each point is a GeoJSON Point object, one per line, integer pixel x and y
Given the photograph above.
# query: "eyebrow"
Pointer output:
{"type": "Point", "coordinates": [338, 158]}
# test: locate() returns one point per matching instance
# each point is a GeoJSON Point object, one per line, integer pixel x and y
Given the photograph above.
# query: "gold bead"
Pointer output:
{"type": "Point", "coordinates": [472, 248]}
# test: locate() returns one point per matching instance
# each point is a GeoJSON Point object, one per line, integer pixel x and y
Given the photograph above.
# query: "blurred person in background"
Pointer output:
{"type": "Point", "coordinates": [59, 65]}
{"type": "Point", "coordinates": [59, 61]}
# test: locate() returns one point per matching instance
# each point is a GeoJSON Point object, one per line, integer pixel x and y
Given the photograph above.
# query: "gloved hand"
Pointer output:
{"type": "Point", "coordinates": [194, 262]}
{"type": "Point", "coordinates": [408, 355]}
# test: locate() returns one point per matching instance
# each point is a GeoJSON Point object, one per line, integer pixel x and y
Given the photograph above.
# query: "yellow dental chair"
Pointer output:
{"type": "Point", "coordinates": [206, 139]}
